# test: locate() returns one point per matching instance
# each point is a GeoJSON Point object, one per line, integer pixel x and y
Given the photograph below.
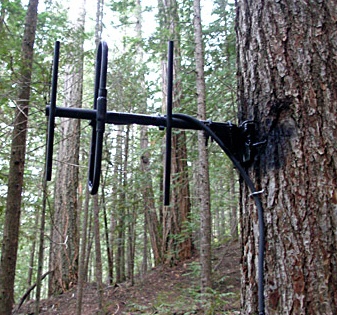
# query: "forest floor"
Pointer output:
{"type": "Point", "coordinates": [164, 290]}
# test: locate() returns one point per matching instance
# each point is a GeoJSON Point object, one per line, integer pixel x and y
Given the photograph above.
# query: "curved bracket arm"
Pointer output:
{"type": "Point", "coordinates": [98, 125]}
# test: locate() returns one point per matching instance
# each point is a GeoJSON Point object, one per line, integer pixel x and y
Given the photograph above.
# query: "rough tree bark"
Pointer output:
{"type": "Point", "coordinates": [287, 83]}
{"type": "Point", "coordinates": [64, 250]}
{"type": "Point", "coordinates": [16, 165]}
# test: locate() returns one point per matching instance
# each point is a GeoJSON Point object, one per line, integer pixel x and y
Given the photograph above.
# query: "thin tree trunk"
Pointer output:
{"type": "Point", "coordinates": [233, 205]}
{"type": "Point", "coordinates": [203, 170]}
{"type": "Point", "coordinates": [41, 248]}
{"type": "Point", "coordinates": [112, 229]}
{"type": "Point", "coordinates": [27, 293]}
{"type": "Point", "coordinates": [131, 243]}
{"type": "Point", "coordinates": [33, 250]}
{"type": "Point", "coordinates": [97, 236]}
{"type": "Point", "coordinates": [90, 241]}
{"type": "Point", "coordinates": [151, 223]}
{"type": "Point", "coordinates": [109, 249]}
{"type": "Point", "coordinates": [124, 203]}
{"type": "Point", "coordinates": [16, 165]}
{"type": "Point", "coordinates": [150, 214]}
{"type": "Point", "coordinates": [144, 267]}
{"type": "Point", "coordinates": [120, 211]}
{"type": "Point", "coordinates": [81, 267]}
{"type": "Point", "coordinates": [98, 255]}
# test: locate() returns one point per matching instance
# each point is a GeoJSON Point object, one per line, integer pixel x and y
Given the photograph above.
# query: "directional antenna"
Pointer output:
{"type": "Point", "coordinates": [52, 110]}
{"type": "Point", "coordinates": [98, 125]}
{"type": "Point", "coordinates": [167, 175]}
{"type": "Point", "coordinates": [238, 142]}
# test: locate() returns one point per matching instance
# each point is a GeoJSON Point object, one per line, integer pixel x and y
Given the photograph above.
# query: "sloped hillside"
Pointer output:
{"type": "Point", "coordinates": [163, 291]}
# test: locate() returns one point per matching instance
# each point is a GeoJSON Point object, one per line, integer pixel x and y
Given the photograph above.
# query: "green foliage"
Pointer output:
{"type": "Point", "coordinates": [194, 270]}
{"type": "Point", "coordinates": [52, 25]}
{"type": "Point", "coordinates": [134, 85]}
{"type": "Point", "coordinates": [125, 9]}
{"type": "Point", "coordinates": [214, 302]}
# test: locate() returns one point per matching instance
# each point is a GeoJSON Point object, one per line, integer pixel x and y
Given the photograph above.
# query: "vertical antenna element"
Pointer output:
{"type": "Point", "coordinates": [98, 125]}
{"type": "Point", "coordinates": [52, 110]}
{"type": "Point", "coordinates": [167, 175]}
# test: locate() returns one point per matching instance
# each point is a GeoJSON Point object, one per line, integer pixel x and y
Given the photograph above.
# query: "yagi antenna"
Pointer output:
{"type": "Point", "coordinates": [238, 142]}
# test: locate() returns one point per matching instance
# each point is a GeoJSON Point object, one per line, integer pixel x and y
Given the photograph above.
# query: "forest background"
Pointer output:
{"type": "Point", "coordinates": [115, 231]}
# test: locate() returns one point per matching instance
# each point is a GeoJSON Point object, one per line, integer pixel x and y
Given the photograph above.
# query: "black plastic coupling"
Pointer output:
{"type": "Point", "coordinates": [101, 114]}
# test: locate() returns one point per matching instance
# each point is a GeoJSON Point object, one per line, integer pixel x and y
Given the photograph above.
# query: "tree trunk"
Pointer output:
{"type": "Point", "coordinates": [175, 216]}
{"type": "Point", "coordinates": [233, 205]}
{"type": "Point", "coordinates": [98, 254]}
{"type": "Point", "coordinates": [41, 247]}
{"type": "Point", "coordinates": [150, 214]}
{"type": "Point", "coordinates": [82, 270]}
{"type": "Point", "coordinates": [65, 242]}
{"type": "Point", "coordinates": [287, 84]}
{"type": "Point", "coordinates": [16, 165]}
{"type": "Point", "coordinates": [88, 256]}
{"type": "Point", "coordinates": [108, 243]}
{"type": "Point", "coordinates": [132, 217]}
{"type": "Point", "coordinates": [151, 224]}
{"type": "Point", "coordinates": [120, 207]}
{"type": "Point", "coordinates": [203, 169]}
{"type": "Point", "coordinates": [33, 250]}
{"type": "Point", "coordinates": [145, 259]}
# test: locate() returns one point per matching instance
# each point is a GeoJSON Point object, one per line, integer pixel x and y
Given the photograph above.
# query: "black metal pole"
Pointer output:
{"type": "Point", "coordinates": [98, 125]}
{"type": "Point", "coordinates": [120, 118]}
{"type": "Point", "coordinates": [52, 112]}
{"type": "Point", "coordinates": [167, 175]}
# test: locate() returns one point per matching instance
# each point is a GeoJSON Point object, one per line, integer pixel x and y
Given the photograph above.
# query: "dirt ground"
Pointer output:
{"type": "Point", "coordinates": [164, 290]}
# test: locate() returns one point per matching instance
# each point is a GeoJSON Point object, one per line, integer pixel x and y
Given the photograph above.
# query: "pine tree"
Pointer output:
{"type": "Point", "coordinates": [177, 214]}
{"type": "Point", "coordinates": [17, 164]}
{"type": "Point", "coordinates": [203, 168]}
{"type": "Point", "coordinates": [65, 234]}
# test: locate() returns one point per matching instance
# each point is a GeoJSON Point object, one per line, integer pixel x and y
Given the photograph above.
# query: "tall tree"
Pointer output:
{"type": "Point", "coordinates": [120, 200]}
{"type": "Point", "coordinates": [203, 168]}
{"type": "Point", "coordinates": [151, 219]}
{"type": "Point", "coordinates": [287, 74]}
{"type": "Point", "coordinates": [176, 242]}
{"type": "Point", "coordinates": [82, 270]}
{"type": "Point", "coordinates": [16, 165]}
{"type": "Point", "coordinates": [98, 254]}
{"type": "Point", "coordinates": [65, 234]}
